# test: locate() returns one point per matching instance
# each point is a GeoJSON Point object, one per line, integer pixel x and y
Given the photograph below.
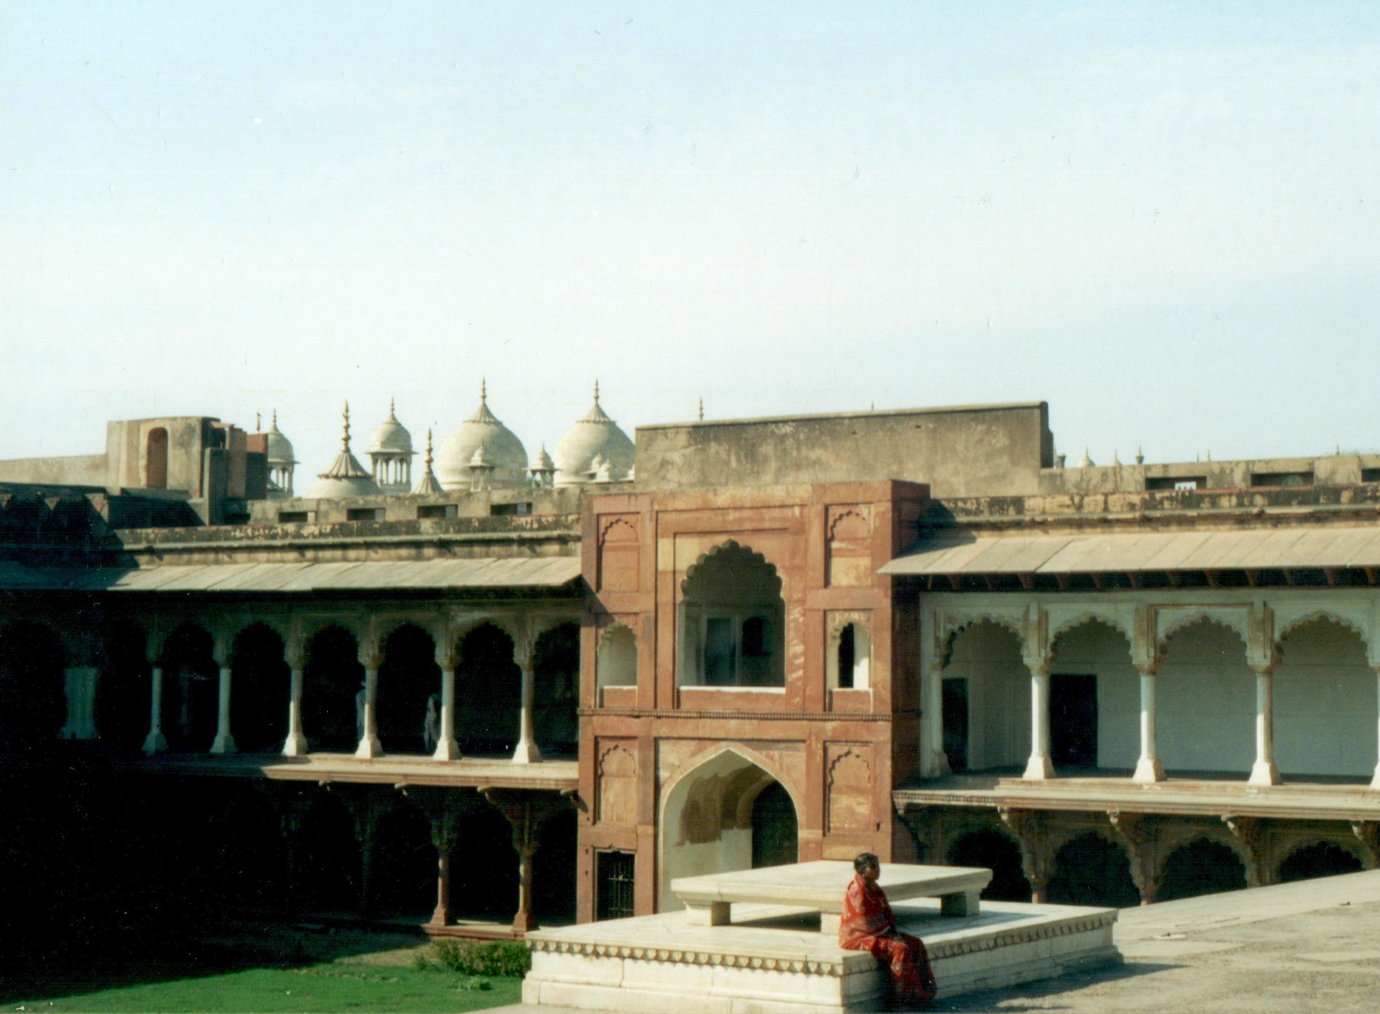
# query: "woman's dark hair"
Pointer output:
{"type": "Point", "coordinates": [865, 859]}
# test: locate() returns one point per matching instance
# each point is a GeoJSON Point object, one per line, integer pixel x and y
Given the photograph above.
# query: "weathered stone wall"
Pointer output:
{"type": "Point", "coordinates": [77, 470]}
{"type": "Point", "coordinates": [966, 451]}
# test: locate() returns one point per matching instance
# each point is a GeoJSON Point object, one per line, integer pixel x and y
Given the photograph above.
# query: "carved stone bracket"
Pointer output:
{"type": "Point", "coordinates": [1037, 861]}
{"type": "Point", "coordinates": [1250, 833]}
{"type": "Point", "coordinates": [1367, 832]}
{"type": "Point", "coordinates": [1137, 832]}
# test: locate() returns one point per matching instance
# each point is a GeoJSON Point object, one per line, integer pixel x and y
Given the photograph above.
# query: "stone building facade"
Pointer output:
{"type": "Point", "coordinates": [539, 690]}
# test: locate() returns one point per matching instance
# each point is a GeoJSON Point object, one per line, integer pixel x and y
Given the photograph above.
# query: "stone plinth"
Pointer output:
{"type": "Point", "coordinates": [773, 960]}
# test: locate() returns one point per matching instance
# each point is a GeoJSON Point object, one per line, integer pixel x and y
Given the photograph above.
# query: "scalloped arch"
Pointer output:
{"type": "Point", "coordinates": [1321, 616]}
{"type": "Point", "coordinates": [953, 626]}
{"type": "Point", "coordinates": [614, 523]}
{"type": "Point", "coordinates": [279, 625]}
{"type": "Point", "coordinates": [851, 513]}
{"type": "Point", "coordinates": [463, 630]}
{"type": "Point", "coordinates": [1191, 619]}
{"type": "Point", "coordinates": [1090, 617]}
{"type": "Point", "coordinates": [727, 546]}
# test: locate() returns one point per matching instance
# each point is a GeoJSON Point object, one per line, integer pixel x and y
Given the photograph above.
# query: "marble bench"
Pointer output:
{"type": "Point", "coordinates": [821, 885]}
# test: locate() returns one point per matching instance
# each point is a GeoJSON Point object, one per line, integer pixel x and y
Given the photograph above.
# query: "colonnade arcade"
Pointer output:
{"type": "Point", "coordinates": [429, 855]}
{"type": "Point", "coordinates": [1119, 858]}
{"type": "Point", "coordinates": [1195, 682]}
{"type": "Point", "coordinates": [439, 682]}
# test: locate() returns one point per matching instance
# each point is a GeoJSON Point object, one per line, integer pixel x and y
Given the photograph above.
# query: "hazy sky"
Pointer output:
{"type": "Point", "coordinates": [1161, 218]}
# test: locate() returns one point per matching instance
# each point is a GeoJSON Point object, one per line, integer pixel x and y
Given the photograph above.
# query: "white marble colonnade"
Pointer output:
{"type": "Point", "coordinates": [1146, 619]}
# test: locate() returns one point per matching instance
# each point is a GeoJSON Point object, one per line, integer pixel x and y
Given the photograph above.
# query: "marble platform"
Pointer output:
{"type": "Point", "coordinates": [772, 959]}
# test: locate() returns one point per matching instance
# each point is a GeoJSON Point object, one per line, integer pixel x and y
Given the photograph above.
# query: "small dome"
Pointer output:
{"type": "Point", "coordinates": [596, 436]}
{"type": "Point", "coordinates": [542, 462]}
{"type": "Point", "coordinates": [346, 476]}
{"type": "Point", "coordinates": [279, 447]}
{"type": "Point", "coordinates": [501, 449]}
{"type": "Point", "coordinates": [479, 459]}
{"type": "Point", "coordinates": [391, 436]}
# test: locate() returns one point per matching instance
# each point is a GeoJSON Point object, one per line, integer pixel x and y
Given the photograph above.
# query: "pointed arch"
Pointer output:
{"type": "Point", "coordinates": [706, 813]}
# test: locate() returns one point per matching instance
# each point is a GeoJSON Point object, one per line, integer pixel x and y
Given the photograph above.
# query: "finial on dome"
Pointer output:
{"type": "Point", "coordinates": [483, 390]}
{"type": "Point", "coordinates": [392, 414]}
{"type": "Point", "coordinates": [596, 390]}
{"type": "Point", "coordinates": [345, 439]}
{"type": "Point", "coordinates": [428, 449]}
{"type": "Point", "coordinates": [701, 410]}
{"type": "Point", "coordinates": [258, 422]}
{"type": "Point", "coordinates": [275, 418]}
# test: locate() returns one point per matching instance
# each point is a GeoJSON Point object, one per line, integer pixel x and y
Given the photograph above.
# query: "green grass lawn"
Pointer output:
{"type": "Point", "coordinates": [330, 986]}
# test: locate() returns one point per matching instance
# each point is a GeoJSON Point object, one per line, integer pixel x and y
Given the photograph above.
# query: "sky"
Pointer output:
{"type": "Point", "coordinates": [1163, 219]}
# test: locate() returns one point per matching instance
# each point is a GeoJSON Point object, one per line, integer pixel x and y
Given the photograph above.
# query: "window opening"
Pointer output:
{"type": "Point", "coordinates": [615, 885]}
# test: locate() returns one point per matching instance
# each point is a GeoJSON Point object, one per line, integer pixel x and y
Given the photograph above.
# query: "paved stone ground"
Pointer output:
{"type": "Point", "coordinates": [1312, 946]}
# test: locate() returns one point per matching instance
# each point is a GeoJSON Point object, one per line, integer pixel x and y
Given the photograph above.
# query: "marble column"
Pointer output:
{"type": "Point", "coordinates": [155, 741]}
{"type": "Point", "coordinates": [1148, 767]}
{"type": "Point", "coordinates": [527, 751]}
{"type": "Point", "coordinates": [369, 745]}
{"type": "Point", "coordinates": [295, 745]}
{"type": "Point", "coordinates": [1039, 767]}
{"type": "Point", "coordinates": [447, 748]}
{"type": "Point", "coordinates": [443, 836]}
{"type": "Point", "coordinates": [1264, 772]}
{"type": "Point", "coordinates": [224, 742]}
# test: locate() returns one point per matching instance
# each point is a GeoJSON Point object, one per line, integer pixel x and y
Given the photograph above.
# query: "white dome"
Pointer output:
{"type": "Point", "coordinates": [594, 436]}
{"type": "Point", "coordinates": [500, 446]}
{"type": "Point", "coordinates": [391, 436]}
{"type": "Point", "coordinates": [279, 447]}
{"type": "Point", "coordinates": [346, 476]}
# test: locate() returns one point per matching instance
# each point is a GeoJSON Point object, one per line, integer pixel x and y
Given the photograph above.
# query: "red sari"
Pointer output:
{"type": "Point", "coordinates": [868, 925]}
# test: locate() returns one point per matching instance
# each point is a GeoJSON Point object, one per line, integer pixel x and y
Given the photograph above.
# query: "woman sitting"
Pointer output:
{"type": "Point", "coordinates": [868, 925]}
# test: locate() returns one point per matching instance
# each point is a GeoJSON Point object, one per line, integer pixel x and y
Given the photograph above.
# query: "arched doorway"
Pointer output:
{"type": "Point", "coordinates": [556, 690]}
{"type": "Point", "coordinates": [994, 851]}
{"type": "Point", "coordinates": [1094, 699]}
{"type": "Point", "coordinates": [1205, 696]}
{"type": "Point", "coordinates": [1324, 703]}
{"type": "Point", "coordinates": [331, 679]}
{"type": "Point", "coordinates": [1201, 866]}
{"type": "Point", "coordinates": [1090, 870]}
{"type": "Point", "coordinates": [191, 689]}
{"type": "Point", "coordinates": [408, 676]}
{"type": "Point", "coordinates": [488, 693]}
{"type": "Point", "coordinates": [123, 688]}
{"type": "Point", "coordinates": [710, 823]}
{"type": "Point", "coordinates": [259, 686]}
{"type": "Point", "coordinates": [986, 699]}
